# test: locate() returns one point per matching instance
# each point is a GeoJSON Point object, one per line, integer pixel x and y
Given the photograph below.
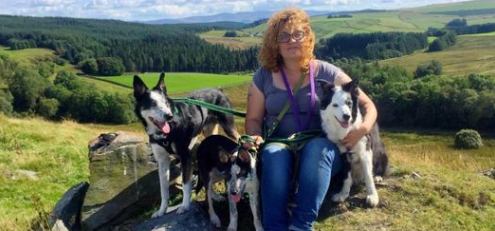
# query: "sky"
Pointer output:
{"type": "Point", "coordinates": [143, 10]}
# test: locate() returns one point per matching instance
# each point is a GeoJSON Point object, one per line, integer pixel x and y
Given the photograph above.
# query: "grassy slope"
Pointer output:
{"type": "Point", "coordinates": [471, 54]}
{"type": "Point", "coordinates": [451, 195]}
{"type": "Point", "coordinates": [405, 20]}
{"type": "Point", "coordinates": [183, 82]}
{"type": "Point", "coordinates": [56, 151]}
{"type": "Point", "coordinates": [28, 56]}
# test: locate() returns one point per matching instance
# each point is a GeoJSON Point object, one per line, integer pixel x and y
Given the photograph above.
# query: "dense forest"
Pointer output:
{"type": "Point", "coordinates": [429, 101]}
{"type": "Point", "coordinates": [370, 46]}
{"type": "Point", "coordinates": [138, 47]}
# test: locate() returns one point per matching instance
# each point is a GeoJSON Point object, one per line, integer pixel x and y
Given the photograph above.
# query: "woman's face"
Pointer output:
{"type": "Point", "coordinates": [290, 40]}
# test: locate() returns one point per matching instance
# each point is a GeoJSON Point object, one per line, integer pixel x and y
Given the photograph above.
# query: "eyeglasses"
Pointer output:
{"type": "Point", "coordinates": [285, 37]}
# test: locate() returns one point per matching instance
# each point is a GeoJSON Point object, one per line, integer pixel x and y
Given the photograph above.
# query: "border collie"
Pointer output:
{"type": "Point", "coordinates": [173, 129]}
{"type": "Point", "coordinates": [220, 158]}
{"type": "Point", "coordinates": [340, 113]}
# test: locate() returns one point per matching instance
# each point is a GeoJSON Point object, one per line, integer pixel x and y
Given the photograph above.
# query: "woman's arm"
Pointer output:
{"type": "Point", "coordinates": [370, 114]}
{"type": "Point", "coordinates": [254, 114]}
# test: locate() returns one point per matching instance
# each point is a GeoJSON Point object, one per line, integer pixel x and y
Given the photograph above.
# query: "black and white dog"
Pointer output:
{"type": "Point", "coordinates": [173, 129]}
{"type": "Point", "coordinates": [367, 160]}
{"type": "Point", "coordinates": [220, 158]}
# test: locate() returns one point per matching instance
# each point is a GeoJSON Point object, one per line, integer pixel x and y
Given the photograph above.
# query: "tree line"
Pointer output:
{"type": "Point", "coordinates": [370, 46]}
{"type": "Point", "coordinates": [27, 90]}
{"type": "Point", "coordinates": [138, 47]}
{"type": "Point", "coordinates": [430, 101]}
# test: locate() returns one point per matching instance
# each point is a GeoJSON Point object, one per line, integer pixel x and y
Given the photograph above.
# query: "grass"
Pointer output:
{"type": "Point", "coordinates": [403, 20]}
{"type": "Point", "coordinates": [450, 195]}
{"type": "Point", "coordinates": [56, 151]}
{"type": "Point", "coordinates": [182, 82]}
{"type": "Point", "coordinates": [471, 54]}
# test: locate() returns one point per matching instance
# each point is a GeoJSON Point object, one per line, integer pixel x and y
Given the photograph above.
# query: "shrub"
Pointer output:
{"type": "Point", "coordinates": [467, 139]}
{"type": "Point", "coordinates": [47, 107]}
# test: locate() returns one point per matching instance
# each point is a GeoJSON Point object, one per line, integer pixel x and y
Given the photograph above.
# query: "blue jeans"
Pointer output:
{"type": "Point", "coordinates": [319, 161]}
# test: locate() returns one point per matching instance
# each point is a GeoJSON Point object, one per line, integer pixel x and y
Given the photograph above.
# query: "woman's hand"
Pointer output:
{"type": "Point", "coordinates": [354, 136]}
{"type": "Point", "coordinates": [256, 144]}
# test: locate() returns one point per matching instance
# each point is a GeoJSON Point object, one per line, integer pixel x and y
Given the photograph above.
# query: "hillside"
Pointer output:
{"type": "Point", "coordinates": [471, 54]}
{"type": "Point", "coordinates": [403, 20]}
{"type": "Point", "coordinates": [432, 186]}
{"type": "Point", "coordinates": [31, 55]}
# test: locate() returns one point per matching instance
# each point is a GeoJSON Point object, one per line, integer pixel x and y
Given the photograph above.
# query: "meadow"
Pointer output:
{"type": "Point", "coordinates": [181, 82]}
{"type": "Point", "coordinates": [471, 54]}
{"type": "Point", "coordinates": [432, 186]}
{"type": "Point", "coordinates": [404, 20]}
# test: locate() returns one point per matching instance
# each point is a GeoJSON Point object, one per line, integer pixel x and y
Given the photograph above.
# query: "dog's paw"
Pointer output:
{"type": "Point", "coordinates": [339, 197]}
{"type": "Point", "coordinates": [372, 200]}
{"type": "Point", "coordinates": [218, 198]}
{"type": "Point", "coordinates": [215, 221]}
{"type": "Point", "coordinates": [183, 209]}
{"type": "Point", "coordinates": [159, 213]}
{"type": "Point", "coordinates": [232, 227]}
{"type": "Point", "coordinates": [378, 179]}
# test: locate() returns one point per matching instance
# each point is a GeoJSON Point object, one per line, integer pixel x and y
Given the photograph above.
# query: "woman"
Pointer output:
{"type": "Point", "coordinates": [287, 56]}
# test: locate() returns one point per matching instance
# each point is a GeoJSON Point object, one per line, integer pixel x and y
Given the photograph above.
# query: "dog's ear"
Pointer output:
{"type": "Point", "coordinates": [161, 84]}
{"type": "Point", "coordinates": [223, 155]}
{"type": "Point", "coordinates": [139, 87]}
{"type": "Point", "coordinates": [326, 85]}
{"type": "Point", "coordinates": [352, 87]}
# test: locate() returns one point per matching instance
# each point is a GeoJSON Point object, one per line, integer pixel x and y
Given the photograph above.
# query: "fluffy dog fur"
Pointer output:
{"type": "Point", "coordinates": [340, 113]}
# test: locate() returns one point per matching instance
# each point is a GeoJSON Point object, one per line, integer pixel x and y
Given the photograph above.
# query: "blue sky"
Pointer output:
{"type": "Point", "coordinates": [140, 10]}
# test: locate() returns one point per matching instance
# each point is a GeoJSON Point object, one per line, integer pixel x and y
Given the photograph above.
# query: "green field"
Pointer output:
{"type": "Point", "coordinates": [471, 54]}
{"type": "Point", "coordinates": [182, 82]}
{"type": "Point", "coordinates": [449, 195]}
{"type": "Point", "coordinates": [403, 20]}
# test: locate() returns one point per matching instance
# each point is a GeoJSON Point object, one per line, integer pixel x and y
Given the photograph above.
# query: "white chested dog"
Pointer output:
{"type": "Point", "coordinates": [340, 114]}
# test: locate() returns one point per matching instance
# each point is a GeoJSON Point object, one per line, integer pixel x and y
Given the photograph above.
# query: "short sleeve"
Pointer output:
{"type": "Point", "coordinates": [259, 79]}
{"type": "Point", "coordinates": [328, 71]}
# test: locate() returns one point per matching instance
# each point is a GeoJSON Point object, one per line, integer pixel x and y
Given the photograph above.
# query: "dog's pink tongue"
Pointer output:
{"type": "Point", "coordinates": [236, 198]}
{"type": "Point", "coordinates": [165, 128]}
{"type": "Point", "coordinates": [344, 124]}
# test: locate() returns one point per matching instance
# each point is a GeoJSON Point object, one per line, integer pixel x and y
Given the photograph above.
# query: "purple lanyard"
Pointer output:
{"type": "Point", "coordinates": [295, 108]}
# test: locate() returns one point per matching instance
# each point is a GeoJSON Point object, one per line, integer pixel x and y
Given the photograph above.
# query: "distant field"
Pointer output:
{"type": "Point", "coordinates": [406, 20]}
{"type": "Point", "coordinates": [182, 82]}
{"type": "Point", "coordinates": [216, 37]}
{"type": "Point", "coordinates": [471, 54]}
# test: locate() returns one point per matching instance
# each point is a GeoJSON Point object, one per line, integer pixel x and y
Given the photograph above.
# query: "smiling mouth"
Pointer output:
{"type": "Point", "coordinates": [163, 126]}
{"type": "Point", "coordinates": [343, 124]}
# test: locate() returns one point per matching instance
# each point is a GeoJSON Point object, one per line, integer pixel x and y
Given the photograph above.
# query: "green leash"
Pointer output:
{"type": "Point", "coordinates": [213, 107]}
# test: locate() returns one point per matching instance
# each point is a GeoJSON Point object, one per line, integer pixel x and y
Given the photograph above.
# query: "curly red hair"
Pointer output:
{"type": "Point", "coordinates": [269, 55]}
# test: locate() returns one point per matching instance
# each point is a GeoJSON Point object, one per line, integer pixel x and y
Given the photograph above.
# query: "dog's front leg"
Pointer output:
{"type": "Point", "coordinates": [186, 164]}
{"type": "Point", "coordinates": [346, 187]}
{"type": "Point", "coordinates": [254, 203]}
{"type": "Point", "coordinates": [211, 210]}
{"type": "Point", "coordinates": [232, 210]}
{"type": "Point", "coordinates": [367, 166]}
{"type": "Point", "coordinates": [163, 160]}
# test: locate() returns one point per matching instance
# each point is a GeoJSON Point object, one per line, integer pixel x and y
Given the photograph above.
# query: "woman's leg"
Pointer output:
{"type": "Point", "coordinates": [319, 161]}
{"type": "Point", "coordinates": [277, 166]}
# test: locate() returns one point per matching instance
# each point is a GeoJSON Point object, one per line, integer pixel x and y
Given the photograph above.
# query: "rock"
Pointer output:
{"type": "Point", "coordinates": [67, 212]}
{"type": "Point", "coordinates": [489, 173]}
{"type": "Point", "coordinates": [195, 219]}
{"type": "Point", "coordinates": [123, 178]}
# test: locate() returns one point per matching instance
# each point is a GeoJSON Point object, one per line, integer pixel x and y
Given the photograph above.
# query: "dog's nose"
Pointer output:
{"type": "Point", "coordinates": [346, 117]}
{"type": "Point", "coordinates": [234, 192]}
{"type": "Point", "coordinates": [168, 117]}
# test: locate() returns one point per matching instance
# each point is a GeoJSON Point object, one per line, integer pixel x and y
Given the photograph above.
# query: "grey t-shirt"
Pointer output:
{"type": "Point", "coordinates": [275, 100]}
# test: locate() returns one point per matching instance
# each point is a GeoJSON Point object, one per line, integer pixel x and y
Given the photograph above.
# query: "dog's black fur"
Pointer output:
{"type": "Point", "coordinates": [182, 122]}
{"type": "Point", "coordinates": [221, 158]}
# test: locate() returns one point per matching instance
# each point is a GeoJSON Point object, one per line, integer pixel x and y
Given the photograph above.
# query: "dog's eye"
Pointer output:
{"type": "Point", "coordinates": [349, 103]}
{"type": "Point", "coordinates": [335, 105]}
